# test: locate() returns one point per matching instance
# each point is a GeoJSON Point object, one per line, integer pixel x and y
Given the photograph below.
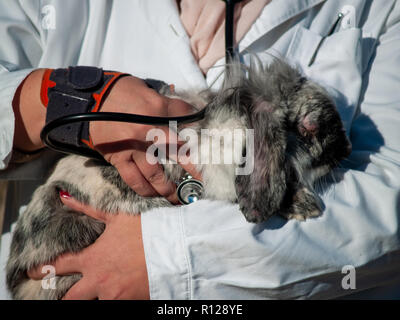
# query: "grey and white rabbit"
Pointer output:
{"type": "Point", "coordinates": [298, 137]}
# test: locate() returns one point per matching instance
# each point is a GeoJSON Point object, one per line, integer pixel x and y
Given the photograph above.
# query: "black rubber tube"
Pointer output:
{"type": "Point", "coordinates": [105, 116]}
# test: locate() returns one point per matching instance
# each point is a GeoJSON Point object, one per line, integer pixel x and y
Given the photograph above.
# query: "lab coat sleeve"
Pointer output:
{"type": "Point", "coordinates": [20, 51]}
{"type": "Point", "coordinates": [208, 251]}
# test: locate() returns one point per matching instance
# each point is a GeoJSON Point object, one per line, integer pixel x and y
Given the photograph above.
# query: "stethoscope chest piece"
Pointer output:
{"type": "Point", "coordinates": [189, 190]}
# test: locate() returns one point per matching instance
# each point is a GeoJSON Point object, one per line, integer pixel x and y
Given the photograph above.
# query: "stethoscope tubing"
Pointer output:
{"type": "Point", "coordinates": [107, 116]}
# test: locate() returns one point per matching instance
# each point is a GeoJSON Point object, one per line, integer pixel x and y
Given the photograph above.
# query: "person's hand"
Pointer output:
{"type": "Point", "coordinates": [124, 144]}
{"type": "Point", "coordinates": [113, 267]}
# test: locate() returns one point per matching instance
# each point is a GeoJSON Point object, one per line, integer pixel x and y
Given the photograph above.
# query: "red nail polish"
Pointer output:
{"type": "Point", "coordinates": [64, 194]}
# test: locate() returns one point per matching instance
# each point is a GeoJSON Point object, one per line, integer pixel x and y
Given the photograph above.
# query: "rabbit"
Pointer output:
{"type": "Point", "coordinates": [298, 138]}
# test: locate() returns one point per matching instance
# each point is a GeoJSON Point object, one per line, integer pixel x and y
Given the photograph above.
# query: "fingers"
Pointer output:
{"type": "Point", "coordinates": [75, 205]}
{"type": "Point", "coordinates": [65, 264]}
{"type": "Point", "coordinates": [155, 176]}
{"type": "Point", "coordinates": [192, 170]}
{"type": "Point", "coordinates": [68, 263]}
{"type": "Point", "coordinates": [186, 164]}
{"type": "Point", "coordinates": [82, 290]}
{"type": "Point", "coordinates": [134, 178]}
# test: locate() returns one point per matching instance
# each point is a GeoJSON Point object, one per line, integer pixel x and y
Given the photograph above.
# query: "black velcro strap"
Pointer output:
{"type": "Point", "coordinates": [82, 78]}
{"type": "Point", "coordinates": [71, 96]}
{"type": "Point", "coordinates": [74, 93]}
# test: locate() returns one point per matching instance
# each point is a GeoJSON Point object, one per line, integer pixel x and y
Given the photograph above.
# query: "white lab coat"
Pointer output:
{"type": "Point", "coordinates": [207, 250]}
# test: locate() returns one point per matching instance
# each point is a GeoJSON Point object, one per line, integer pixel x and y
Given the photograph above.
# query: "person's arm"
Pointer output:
{"type": "Point", "coordinates": [29, 113]}
{"type": "Point", "coordinates": [113, 267]}
{"type": "Point", "coordinates": [117, 142]}
{"type": "Point", "coordinates": [23, 114]}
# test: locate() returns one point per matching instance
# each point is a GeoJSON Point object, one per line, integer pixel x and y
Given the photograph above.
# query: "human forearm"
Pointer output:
{"type": "Point", "coordinates": [128, 95]}
{"type": "Point", "coordinates": [30, 114]}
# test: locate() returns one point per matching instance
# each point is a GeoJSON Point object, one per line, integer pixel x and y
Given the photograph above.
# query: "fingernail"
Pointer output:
{"type": "Point", "coordinates": [64, 194]}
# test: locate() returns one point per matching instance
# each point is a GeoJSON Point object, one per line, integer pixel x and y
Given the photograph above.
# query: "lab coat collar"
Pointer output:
{"type": "Point", "coordinates": [274, 14]}
{"type": "Point", "coordinates": [163, 16]}
{"type": "Point", "coordinates": [165, 13]}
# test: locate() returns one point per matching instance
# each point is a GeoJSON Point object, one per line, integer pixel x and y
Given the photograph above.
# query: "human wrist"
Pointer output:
{"type": "Point", "coordinates": [71, 91]}
{"type": "Point", "coordinates": [130, 95]}
{"type": "Point", "coordinates": [126, 91]}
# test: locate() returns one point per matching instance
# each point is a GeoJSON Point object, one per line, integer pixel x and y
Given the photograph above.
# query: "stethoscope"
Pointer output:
{"type": "Point", "coordinates": [188, 189]}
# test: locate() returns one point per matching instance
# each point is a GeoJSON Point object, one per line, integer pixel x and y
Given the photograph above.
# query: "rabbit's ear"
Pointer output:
{"type": "Point", "coordinates": [261, 192]}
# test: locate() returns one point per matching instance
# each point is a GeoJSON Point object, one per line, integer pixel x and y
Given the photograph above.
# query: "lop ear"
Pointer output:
{"type": "Point", "coordinates": [260, 193]}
